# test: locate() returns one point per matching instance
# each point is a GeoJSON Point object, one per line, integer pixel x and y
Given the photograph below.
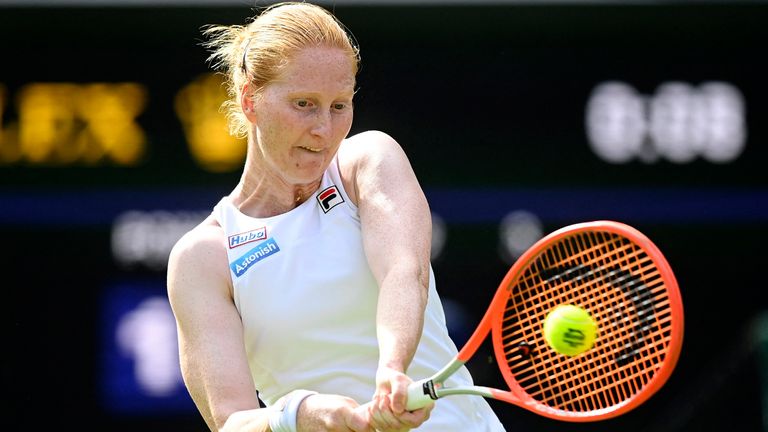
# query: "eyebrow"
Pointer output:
{"type": "Point", "coordinates": [312, 93]}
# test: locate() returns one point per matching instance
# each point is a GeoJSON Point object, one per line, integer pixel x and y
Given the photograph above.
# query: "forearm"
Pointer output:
{"type": "Point", "coordinates": [400, 317]}
{"type": "Point", "coordinates": [400, 320]}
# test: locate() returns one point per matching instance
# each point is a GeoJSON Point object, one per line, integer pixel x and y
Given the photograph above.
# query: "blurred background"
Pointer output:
{"type": "Point", "coordinates": [520, 117]}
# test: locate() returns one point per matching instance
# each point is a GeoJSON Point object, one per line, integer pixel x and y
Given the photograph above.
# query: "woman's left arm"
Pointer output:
{"type": "Point", "coordinates": [397, 230]}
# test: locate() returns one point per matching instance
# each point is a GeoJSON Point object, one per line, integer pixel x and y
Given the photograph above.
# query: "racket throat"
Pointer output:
{"type": "Point", "coordinates": [424, 392]}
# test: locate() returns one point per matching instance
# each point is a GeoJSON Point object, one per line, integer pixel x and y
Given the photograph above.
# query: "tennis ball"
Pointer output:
{"type": "Point", "coordinates": [569, 330]}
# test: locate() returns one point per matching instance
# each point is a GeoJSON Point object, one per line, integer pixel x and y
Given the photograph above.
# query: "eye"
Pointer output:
{"type": "Point", "coordinates": [303, 103]}
{"type": "Point", "coordinates": [340, 106]}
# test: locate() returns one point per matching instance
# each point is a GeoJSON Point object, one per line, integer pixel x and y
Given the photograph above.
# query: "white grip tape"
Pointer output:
{"type": "Point", "coordinates": [419, 395]}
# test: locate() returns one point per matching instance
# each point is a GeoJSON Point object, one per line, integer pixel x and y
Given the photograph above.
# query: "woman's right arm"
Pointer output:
{"type": "Point", "coordinates": [210, 333]}
{"type": "Point", "coordinates": [211, 349]}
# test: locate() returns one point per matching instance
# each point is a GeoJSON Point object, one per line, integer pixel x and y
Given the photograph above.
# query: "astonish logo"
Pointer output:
{"type": "Point", "coordinates": [258, 253]}
{"type": "Point", "coordinates": [329, 198]}
{"type": "Point", "coordinates": [247, 237]}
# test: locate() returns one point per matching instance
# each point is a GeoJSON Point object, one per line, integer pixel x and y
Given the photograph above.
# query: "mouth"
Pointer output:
{"type": "Point", "coordinates": [311, 149]}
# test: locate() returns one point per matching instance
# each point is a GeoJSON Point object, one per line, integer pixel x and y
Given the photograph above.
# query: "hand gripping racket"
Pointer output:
{"type": "Point", "coordinates": [621, 278]}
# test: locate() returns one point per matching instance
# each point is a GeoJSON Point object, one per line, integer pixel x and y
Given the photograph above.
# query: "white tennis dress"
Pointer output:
{"type": "Point", "coordinates": [307, 299]}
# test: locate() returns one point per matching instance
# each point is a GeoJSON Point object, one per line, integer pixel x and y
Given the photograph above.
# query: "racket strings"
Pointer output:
{"type": "Point", "coordinates": [619, 284]}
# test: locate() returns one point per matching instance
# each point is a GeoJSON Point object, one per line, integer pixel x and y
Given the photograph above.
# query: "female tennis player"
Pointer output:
{"type": "Point", "coordinates": [309, 287]}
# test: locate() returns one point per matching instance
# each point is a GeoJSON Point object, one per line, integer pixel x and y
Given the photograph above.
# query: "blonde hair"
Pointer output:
{"type": "Point", "coordinates": [255, 53]}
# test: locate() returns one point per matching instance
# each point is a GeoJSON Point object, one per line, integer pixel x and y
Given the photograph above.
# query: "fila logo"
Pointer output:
{"type": "Point", "coordinates": [329, 198]}
{"type": "Point", "coordinates": [247, 237]}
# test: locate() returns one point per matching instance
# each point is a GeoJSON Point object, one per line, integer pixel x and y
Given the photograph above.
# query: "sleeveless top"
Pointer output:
{"type": "Point", "coordinates": [307, 299]}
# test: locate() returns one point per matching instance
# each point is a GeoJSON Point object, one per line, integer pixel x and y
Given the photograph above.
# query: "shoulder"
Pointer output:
{"type": "Point", "coordinates": [362, 156]}
{"type": "Point", "coordinates": [367, 144]}
{"type": "Point", "coordinates": [368, 151]}
{"type": "Point", "coordinates": [203, 240]}
{"type": "Point", "coordinates": [200, 254]}
{"type": "Point", "coordinates": [371, 136]}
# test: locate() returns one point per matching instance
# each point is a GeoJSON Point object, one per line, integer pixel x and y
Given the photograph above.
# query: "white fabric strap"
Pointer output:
{"type": "Point", "coordinates": [285, 420]}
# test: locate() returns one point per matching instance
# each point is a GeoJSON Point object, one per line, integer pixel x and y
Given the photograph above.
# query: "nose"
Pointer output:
{"type": "Point", "coordinates": [323, 124]}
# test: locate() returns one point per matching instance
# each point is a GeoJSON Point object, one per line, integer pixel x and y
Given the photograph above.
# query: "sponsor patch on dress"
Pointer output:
{"type": "Point", "coordinates": [258, 253]}
{"type": "Point", "coordinates": [237, 240]}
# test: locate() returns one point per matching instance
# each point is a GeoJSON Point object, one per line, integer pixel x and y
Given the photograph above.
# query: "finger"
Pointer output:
{"type": "Point", "coordinates": [381, 402]}
{"type": "Point", "coordinates": [384, 420]}
{"type": "Point", "coordinates": [414, 419]}
{"type": "Point", "coordinates": [388, 421]}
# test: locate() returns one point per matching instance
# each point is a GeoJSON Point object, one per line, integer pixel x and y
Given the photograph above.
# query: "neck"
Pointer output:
{"type": "Point", "coordinates": [260, 195]}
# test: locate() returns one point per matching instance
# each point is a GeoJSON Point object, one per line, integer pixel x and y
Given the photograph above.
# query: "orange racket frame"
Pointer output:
{"type": "Point", "coordinates": [622, 279]}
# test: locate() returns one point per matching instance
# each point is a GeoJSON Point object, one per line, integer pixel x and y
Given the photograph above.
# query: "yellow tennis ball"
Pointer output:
{"type": "Point", "coordinates": [569, 330]}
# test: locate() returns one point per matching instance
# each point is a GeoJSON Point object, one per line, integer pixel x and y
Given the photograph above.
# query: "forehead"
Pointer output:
{"type": "Point", "coordinates": [317, 69]}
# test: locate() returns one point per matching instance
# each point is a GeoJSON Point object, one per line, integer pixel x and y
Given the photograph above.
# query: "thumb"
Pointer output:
{"type": "Point", "coordinates": [399, 395]}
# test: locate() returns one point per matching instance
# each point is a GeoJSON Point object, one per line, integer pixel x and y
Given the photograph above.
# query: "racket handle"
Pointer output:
{"type": "Point", "coordinates": [419, 395]}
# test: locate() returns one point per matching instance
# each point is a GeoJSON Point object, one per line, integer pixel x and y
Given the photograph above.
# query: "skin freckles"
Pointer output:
{"type": "Point", "coordinates": [302, 118]}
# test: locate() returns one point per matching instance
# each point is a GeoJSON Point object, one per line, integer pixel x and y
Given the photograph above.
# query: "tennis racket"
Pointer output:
{"type": "Point", "coordinates": [621, 278]}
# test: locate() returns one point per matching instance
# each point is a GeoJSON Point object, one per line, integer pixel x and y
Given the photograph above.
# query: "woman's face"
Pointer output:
{"type": "Point", "coordinates": [302, 117]}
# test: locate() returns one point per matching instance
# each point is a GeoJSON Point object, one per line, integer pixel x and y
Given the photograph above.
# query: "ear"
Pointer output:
{"type": "Point", "coordinates": [247, 103]}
